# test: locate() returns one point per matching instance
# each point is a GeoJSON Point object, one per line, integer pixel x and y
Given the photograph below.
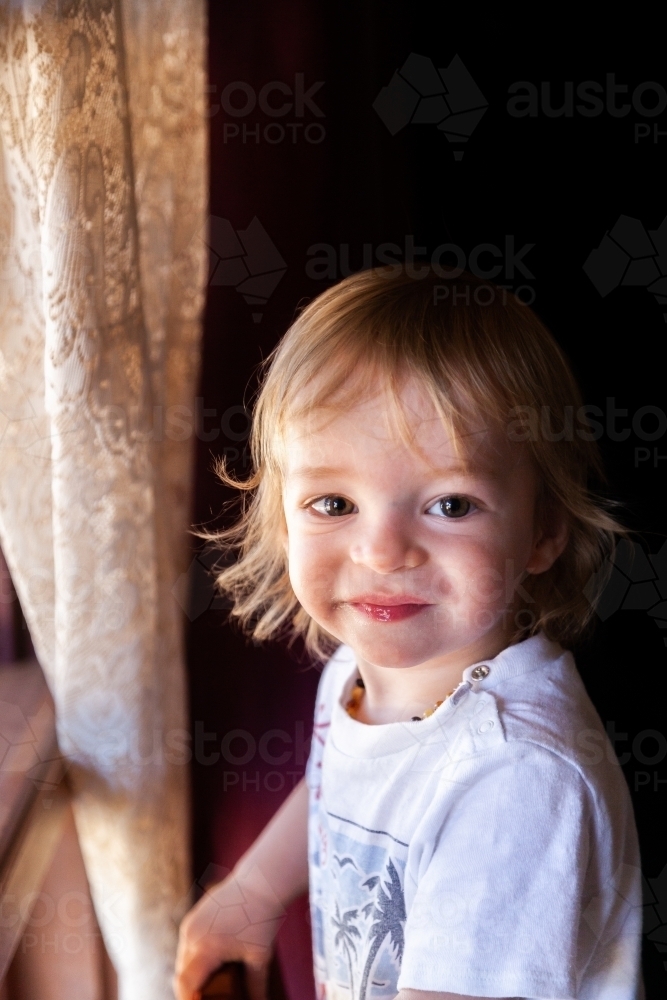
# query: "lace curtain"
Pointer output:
{"type": "Point", "coordinates": [102, 192]}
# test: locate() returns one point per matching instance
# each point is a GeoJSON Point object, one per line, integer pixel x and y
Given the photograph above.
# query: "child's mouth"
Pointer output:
{"type": "Point", "coordinates": [389, 612]}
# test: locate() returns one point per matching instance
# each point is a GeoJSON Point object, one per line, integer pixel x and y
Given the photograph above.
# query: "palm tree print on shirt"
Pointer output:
{"type": "Point", "coordinates": [388, 911]}
{"type": "Point", "coordinates": [346, 930]}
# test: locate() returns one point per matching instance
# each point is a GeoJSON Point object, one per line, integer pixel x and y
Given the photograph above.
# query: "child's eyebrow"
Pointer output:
{"type": "Point", "coordinates": [468, 472]}
{"type": "Point", "coordinates": [314, 471]}
{"type": "Point", "coordinates": [455, 469]}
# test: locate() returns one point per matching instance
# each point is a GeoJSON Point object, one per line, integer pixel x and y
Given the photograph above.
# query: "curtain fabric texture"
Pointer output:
{"type": "Point", "coordinates": [103, 188]}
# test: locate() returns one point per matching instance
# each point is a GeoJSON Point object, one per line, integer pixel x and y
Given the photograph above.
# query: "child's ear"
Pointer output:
{"type": "Point", "coordinates": [550, 542]}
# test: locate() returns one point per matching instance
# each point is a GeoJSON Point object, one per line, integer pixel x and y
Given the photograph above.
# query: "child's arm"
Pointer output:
{"type": "Point", "coordinates": [237, 920]}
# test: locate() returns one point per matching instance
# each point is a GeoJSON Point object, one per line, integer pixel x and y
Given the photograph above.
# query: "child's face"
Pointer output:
{"type": "Point", "coordinates": [405, 553]}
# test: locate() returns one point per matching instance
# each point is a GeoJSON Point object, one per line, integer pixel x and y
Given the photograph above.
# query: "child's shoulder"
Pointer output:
{"type": "Point", "coordinates": [542, 699]}
{"type": "Point", "coordinates": [547, 715]}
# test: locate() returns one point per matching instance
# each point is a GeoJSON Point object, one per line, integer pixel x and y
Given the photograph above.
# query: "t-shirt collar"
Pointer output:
{"type": "Point", "coordinates": [357, 739]}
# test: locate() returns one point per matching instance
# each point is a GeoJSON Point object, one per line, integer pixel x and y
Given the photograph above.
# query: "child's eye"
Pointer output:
{"type": "Point", "coordinates": [452, 506]}
{"type": "Point", "coordinates": [334, 506]}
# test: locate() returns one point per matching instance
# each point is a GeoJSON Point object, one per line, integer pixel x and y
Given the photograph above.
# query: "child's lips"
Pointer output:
{"type": "Point", "coordinates": [389, 609]}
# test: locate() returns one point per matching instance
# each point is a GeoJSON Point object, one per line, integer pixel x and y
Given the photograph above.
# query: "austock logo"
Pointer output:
{"type": "Point", "coordinates": [275, 99]}
{"type": "Point", "coordinates": [655, 911]}
{"type": "Point", "coordinates": [648, 99]}
{"type": "Point", "coordinates": [629, 256]}
{"type": "Point", "coordinates": [195, 590]}
{"type": "Point", "coordinates": [246, 260]}
{"type": "Point", "coordinates": [635, 581]}
{"type": "Point", "coordinates": [421, 94]}
{"type": "Point", "coordinates": [21, 751]}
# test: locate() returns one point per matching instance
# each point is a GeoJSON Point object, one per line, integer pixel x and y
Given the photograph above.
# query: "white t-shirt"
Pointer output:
{"type": "Point", "coordinates": [488, 850]}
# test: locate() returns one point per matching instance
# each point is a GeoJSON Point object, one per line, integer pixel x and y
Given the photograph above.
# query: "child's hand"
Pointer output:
{"type": "Point", "coordinates": [237, 920]}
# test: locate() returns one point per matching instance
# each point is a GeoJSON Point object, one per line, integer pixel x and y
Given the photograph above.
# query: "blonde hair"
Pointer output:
{"type": "Point", "coordinates": [474, 348]}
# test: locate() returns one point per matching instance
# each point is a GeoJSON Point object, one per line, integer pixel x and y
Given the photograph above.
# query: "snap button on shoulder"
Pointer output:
{"type": "Point", "coordinates": [486, 726]}
{"type": "Point", "coordinates": [480, 672]}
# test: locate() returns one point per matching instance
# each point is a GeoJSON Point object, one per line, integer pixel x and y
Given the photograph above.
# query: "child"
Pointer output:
{"type": "Point", "coordinates": [420, 506]}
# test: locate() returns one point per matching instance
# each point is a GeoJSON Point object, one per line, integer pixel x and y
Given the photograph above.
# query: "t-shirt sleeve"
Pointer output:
{"type": "Point", "coordinates": [497, 882]}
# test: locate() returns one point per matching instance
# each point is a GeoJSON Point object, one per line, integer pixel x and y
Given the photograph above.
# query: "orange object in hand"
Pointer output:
{"type": "Point", "coordinates": [228, 983]}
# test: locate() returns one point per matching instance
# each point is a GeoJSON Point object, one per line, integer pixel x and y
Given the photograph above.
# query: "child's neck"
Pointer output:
{"type": "Point", "coordinates": [398, 694]}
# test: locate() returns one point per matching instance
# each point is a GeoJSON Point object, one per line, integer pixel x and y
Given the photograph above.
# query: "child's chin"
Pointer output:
{"type": "Point", "coordinates": [394, 653]}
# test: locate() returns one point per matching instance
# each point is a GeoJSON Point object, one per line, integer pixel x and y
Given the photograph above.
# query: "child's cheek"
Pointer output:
{"type": "Point", "coordinates": [311, 574]}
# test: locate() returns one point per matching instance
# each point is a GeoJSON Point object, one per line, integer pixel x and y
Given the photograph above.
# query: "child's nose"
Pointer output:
{"type": "Point", "coordinates": [386, 545]}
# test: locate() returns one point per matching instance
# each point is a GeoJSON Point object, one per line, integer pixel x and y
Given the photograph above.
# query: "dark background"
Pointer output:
{"type": "Point", "coordinates": [558, 183]}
